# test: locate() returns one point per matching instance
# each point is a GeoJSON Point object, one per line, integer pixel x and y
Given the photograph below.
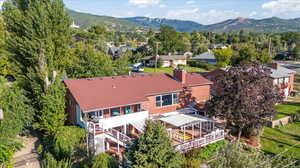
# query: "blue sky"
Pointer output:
{"type": "Point", "coordinates": [201, 11]}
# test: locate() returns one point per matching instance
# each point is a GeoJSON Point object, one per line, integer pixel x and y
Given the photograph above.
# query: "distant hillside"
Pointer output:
{"type": "Point", "coordinates": [87, 20]}
{"type": "Point", "coordinates": [268, 25]}
{"type": "Point", "coordinates": [155, 23]}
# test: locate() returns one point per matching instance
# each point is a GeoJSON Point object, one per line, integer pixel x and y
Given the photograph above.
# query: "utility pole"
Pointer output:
{"type": "Point", "coordinates": [156, 56]}
{"type": "Point", "coordinates": [270, 47]}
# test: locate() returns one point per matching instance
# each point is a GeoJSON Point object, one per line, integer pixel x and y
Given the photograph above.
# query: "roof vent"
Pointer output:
{"type": "Point", "coordinates": [114, 86]}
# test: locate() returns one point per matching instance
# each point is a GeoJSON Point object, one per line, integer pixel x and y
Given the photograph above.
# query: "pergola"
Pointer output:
{"type": "Point", "coordinates": [195, 122]}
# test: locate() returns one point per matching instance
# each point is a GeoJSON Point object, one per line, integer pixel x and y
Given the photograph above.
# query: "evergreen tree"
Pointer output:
{"type": "Point", "coordinates": [153, 149]}
{"type": "Point", "coordinates": [39, 37]}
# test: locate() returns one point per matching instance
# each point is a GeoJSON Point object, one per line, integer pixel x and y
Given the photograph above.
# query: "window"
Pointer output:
{"type": "Point", "coordinates": [275, 82]}
{"type": "Point", "coordinates": [95, 114]}
{"type": "Point", "coordinates": [115, 112]}
{"type": "Point", "coordinates": [127, 110]}
{"type": "Point", "coordinates": [286, 80]}
{"type": "Point", "coordinates": [167, 100]}
{"type": "Point", "coordinates": [158, 101]}
{"type": "Point", "coordinates": [175, 98]}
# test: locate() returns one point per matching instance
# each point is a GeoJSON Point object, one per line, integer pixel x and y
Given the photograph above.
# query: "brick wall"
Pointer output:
{"type": "Point", "coordinates": [199, 93]}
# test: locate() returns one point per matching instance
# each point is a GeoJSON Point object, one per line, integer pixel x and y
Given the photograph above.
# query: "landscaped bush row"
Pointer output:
{"type": "Point", "coordinates": [199, 64]}
{"type": "Point", "coordinates": [194, 158]}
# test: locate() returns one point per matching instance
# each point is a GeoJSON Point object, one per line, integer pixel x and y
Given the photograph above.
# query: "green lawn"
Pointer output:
{"type": "Point", "coordinates": [170, 70]}
{"type": "Point", "coordinates": [277, 140]}
{"type": "Point", "coordinates": [287, 109]}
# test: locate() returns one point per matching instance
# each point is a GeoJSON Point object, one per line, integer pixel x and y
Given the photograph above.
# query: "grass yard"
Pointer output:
{"type": "Point", "coordinates": [277, 140]}
{"type": "Point", "coordinates": [287, 109]}
{"type": "Point", "coordinates": [170, 70]}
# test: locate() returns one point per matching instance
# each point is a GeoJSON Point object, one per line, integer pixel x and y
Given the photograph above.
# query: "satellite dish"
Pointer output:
{"type": "Point", "coordinates": [1, 114]}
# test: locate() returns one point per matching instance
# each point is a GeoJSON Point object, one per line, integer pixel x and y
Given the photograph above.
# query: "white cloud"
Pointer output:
{"type": "Point", "coordinates": [144, 3]}
{"type": "Point", "coordinates": [190, 2]}
{"type": "Point", "coordinates": [253, 14]}
{"type": "Point", "coordinates": [282, 7]}
{"type": "Point", "coordinates": [182, 13]}
{"type": "Point", "coordinates": [209, 17]}
{"type": "Point", "coordinates": [1, 3]}
{"type": "Point", "coordinates": [162, 6]}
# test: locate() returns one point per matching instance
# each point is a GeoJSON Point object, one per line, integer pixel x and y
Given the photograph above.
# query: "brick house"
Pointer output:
{"type": "Point", "coordinates": [114, 109]}
{"type": "Point", "coordinates": [282, 77]}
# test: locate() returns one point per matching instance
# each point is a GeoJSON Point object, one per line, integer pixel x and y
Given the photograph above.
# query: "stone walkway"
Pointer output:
{"type": "Point", "coordinates": [27, 157]}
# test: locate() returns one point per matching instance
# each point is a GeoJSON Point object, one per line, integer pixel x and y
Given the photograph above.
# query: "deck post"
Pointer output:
{"type": "Point", "coordinates": [125, 129]}
{"type": "Point", "coordinates": [200, 129]}
{"type": "Point", "coordinates": [118, 136]}
{"type": "Point", "coordinates": [183, 133]}
{"type": "Point", "coordinates": [193, 131]}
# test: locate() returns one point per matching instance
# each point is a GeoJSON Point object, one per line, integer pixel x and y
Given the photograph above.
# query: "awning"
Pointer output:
{"type": "Point", "coordinates": [180, 120]}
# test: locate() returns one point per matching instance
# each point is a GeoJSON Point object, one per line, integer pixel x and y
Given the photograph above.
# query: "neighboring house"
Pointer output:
{"type": "Point", "coordinates": [207, 57]}
{"type": "Point", "coordinates": [217, 46]}
{"type": "Point", "coordinates": [114, 109]}
{"type": "Point", "coordinates": [73, 25]}
{"type": "Point", "coordinates": [116, 52]}
{"type": "Point", "coordinates": [283, 78]}
{"type": "Point", "coordinates": [168, 60]}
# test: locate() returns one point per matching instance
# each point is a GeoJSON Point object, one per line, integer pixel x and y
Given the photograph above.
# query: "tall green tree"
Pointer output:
{"type": "Point", "coordinates": [39, 38]}
{"type": "Point", "coordinates": [4, 62]}
{"type": "Point", "coordinates": [87, 62]}
{"type": "Point", "coordinates": [224, 56]}
{"type": "Point", "coordinates": [169, 39]}
{"type": "Point", "coordinates": [153, 149]}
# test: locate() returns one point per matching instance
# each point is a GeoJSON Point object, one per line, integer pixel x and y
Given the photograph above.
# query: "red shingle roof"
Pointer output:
{"type": "Point", "coordinates": [107, 92]}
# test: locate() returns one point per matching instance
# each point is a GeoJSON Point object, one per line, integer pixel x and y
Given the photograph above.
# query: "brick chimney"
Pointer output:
{"type": "Point", "coordinates": [180, 74]}
{"type": "Point", "coordinates": [274, 65]}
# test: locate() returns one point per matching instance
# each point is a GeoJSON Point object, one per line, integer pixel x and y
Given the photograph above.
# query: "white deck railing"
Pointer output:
{"type": "Point", "coordinates": [200, 142]}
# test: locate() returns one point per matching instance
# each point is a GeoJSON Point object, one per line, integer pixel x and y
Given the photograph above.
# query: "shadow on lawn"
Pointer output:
{"type": "Point", "coordinates": [281, 143]}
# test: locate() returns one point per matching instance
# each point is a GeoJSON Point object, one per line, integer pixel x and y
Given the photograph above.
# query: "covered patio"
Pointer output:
{"type": "Point", "coordinates": [190, 131]}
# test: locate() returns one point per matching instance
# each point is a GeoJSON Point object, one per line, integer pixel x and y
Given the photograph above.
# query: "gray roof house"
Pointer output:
{"type": "Point", "coordinates": [207, 57]}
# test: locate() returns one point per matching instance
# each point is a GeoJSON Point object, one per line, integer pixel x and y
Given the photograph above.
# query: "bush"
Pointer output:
{"type": "Point", "coordinates": [199, 64]}
{"type": "Point", "coordinates": [67, 141]}
{"type": "Point", "coordinates": [191, 163]}
{"type": "Point", "coordinates": [104, 160]}
{"type": "Point", "coordinates": [7, 150]}
{"type": "Point", "coordinates": [50, 162]}
{"type": "Point", "coordinates": [206, 152]}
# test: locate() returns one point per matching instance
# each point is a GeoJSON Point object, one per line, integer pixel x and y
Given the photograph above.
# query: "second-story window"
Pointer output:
{"type": "Point", "coordinates": [175, 98]}
{"type": "Point", "coordinates": [167, 100]}
{"type": "Point", "coordinates": [158, 101]}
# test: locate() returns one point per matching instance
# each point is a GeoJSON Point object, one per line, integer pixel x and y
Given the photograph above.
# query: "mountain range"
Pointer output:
{"type": "Point", "coordinates": [268, 25]}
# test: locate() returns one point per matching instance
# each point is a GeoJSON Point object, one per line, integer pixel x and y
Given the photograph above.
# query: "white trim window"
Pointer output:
{"type": "Point", "coordinates": [281, 80]}
{"type": "Point", "coordinates": [95, 114]}
{"type": "Point", "coordinates": [275, 82]}
{"type": "Point", "coordinates": [286, 80]}
{"type": "Point", "coordinates": [167, 100]}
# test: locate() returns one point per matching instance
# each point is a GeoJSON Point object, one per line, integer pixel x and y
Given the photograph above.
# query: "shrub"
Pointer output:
{"type": "Point", "coordinates": [7, 150]}
{"type": "Point", "coordinates": [66, 141]}
{"type": "Point", "coordinates": [206, 152]}
{"type": "Point", "coordinates": [191, 163]}
{"type": "Point", "coordinates": [104, 160]}
{"type": "Point", "coordinates": [50, 162]}
{"type": "Point", "coordinates": [199, 64]}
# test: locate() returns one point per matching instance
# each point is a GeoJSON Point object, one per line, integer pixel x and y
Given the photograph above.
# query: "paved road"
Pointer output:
{"type": "Point", "coordinates": [291, 65]}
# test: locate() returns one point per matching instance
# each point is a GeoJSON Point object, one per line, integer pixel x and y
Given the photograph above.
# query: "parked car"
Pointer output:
{"type": "Point", "coordinates": [138, 67]}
